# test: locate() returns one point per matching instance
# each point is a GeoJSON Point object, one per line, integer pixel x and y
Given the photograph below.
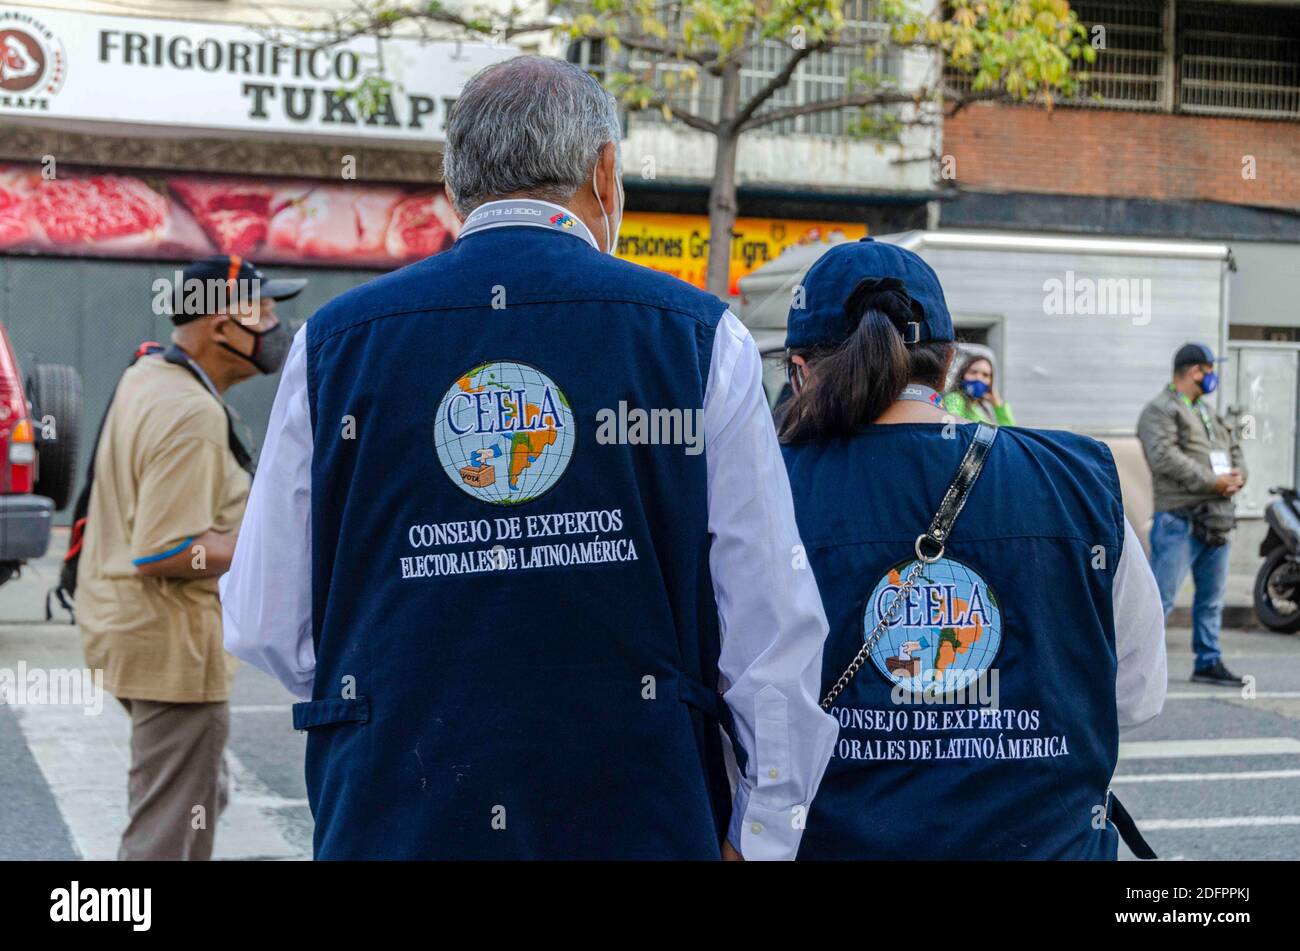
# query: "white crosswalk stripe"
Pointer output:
{"type": "Point", "coordinates": [1247, 775]}
{"type": "Point", "coordinates": [84, 761]}
{"type": "Point", "coordinates": [1218, 822]}
{"type": "Point", "coordinates": [1179, 749]}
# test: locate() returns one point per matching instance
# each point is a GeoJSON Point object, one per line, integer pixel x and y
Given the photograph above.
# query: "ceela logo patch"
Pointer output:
{"type": "Point", "coordinates": [945, 633]}
{"type": "Point", "coordinates": [504, 432]}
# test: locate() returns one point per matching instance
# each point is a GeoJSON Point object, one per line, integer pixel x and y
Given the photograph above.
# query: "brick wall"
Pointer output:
{"type": "Point", "coordinates": [1100, 152]}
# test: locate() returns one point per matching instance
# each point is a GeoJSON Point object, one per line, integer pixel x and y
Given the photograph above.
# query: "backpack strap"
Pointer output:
{"type": "Point", "coordinates": [66, 589]}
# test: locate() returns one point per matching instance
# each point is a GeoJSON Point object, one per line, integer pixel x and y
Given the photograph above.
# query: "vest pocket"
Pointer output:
{"type": "Point", "coordinates": [314, 713]}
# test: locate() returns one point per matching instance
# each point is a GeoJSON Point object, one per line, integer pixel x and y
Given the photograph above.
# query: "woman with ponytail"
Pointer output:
{"type": "Point", "coordinates": [993, 621]}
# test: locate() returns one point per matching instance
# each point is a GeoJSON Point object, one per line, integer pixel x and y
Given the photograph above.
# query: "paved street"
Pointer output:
{"type": "Point", "coordinates": [1215, 777]}
{"type": "Point", "coordinates": [63, 785]}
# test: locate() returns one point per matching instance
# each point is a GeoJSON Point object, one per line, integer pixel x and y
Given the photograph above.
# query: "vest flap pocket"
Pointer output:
{"type": "Point", "coordinates": [326, 712]}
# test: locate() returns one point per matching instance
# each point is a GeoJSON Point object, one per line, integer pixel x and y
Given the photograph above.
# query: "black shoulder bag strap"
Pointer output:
{"type": "Point", "coordinates": [176, 355]}
{"type": "Point", "coordinates": [1127, 827]}
{"type": "Point", "coordinates": [935, 537]}
{"type": "Point", "coordinates": [66, 589]}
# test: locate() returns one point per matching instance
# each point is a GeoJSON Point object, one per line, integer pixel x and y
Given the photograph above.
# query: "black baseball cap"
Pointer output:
{"type": "Point", "coordinates": [834, 275]}
{"type": "Point", "coordinates": [215, 276]}
{"type": "Point", "coordinates": [1194, 354]}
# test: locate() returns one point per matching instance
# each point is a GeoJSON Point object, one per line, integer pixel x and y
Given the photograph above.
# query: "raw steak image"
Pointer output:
{"type": "Point", "coordinates": [15, 222]}
{"type": "Point", "coordinates": [422, 225]}
{"type": "Point", "coordinates": [335, 222]}
{"type": "Point", "coordinates": [234, 214]}
{"type": "Point", "coordinates": [99, 208]}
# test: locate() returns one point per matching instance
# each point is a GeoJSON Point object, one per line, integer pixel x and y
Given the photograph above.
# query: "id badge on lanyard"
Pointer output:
{"type": "Point", "coordinates": [1220, 461]}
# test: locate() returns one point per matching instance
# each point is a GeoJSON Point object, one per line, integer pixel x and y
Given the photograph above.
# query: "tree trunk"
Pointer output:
{"type": "Point", "coordinates": [722, 191]}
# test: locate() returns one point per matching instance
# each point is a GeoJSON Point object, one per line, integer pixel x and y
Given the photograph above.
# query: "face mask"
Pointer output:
{"type": "Point", "coordinates": [975, 389]}
{"type": "Point", "coordinates": [1209, 383]}
{"type": "Point", "coordinates": [270, 348]}
{"type": "Point", "coordinates": [611, 237]}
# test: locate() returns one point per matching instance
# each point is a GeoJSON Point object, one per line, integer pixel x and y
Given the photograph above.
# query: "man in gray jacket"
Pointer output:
{"type": "Point", "coordinates": [1196, 467]}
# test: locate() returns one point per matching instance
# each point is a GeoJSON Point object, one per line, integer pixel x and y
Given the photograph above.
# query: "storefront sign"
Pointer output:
{"type": "Point", "coordinates": [679, 244]}
{"type": "Point", "coordinates": [56, 64]}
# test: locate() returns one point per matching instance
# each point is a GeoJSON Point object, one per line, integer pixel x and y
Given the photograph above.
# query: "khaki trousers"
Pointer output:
{"type": "Point", "coordinates": [178, 784]}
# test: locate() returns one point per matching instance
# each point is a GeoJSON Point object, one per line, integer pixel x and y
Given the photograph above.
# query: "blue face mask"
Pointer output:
{"type": "Point", "coordinates": [1209, 383]}
{"type": "Point", "coordinates": [975, 389]}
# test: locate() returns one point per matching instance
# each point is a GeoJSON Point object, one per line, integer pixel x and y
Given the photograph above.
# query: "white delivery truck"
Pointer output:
{"type": "Point", "coordinates": [1082, 331]}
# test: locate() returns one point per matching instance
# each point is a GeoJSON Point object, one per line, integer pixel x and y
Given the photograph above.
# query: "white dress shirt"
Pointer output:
{"type": "Point", "coordinates": [770, 613]}
{"type": "Point", "coordinates": [1141, 677]}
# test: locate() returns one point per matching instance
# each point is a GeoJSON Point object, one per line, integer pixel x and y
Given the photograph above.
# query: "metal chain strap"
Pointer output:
{"type": "Point", "coordinates": [935, 537]}
{"type": "Point", "coordinates": [908, 583]}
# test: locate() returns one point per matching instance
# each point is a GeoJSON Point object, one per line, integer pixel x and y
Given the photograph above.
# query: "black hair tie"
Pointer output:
{"type": "Point", "coordinates": [889, 296]}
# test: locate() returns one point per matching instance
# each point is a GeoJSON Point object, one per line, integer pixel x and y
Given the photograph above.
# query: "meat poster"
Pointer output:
{"type": "Point", "coordinates": [271, 221]}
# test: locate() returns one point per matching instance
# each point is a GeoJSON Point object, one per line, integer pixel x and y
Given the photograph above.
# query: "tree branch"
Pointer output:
{"type": "Point", "coordinates": [647, 44]}
{"type": "Point", "coordinates": [776, 83]}
{"type": "Point", "coordinates": [878, 98]}
{"type": "Point", "coordinates": [686, 118]}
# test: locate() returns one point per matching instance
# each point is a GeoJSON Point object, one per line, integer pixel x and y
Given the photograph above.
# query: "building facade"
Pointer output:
{"type": "Point", "coordinates": [1187, 129]}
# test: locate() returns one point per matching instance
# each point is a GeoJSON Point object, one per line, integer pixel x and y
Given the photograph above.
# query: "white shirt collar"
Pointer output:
{"type": "Point", "coordinates": [555, 217]}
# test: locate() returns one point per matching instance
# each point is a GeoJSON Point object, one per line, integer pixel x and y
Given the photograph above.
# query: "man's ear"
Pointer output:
{"type": "Point", "coordinates": [607, 177]}
{"type": "Point", "coordinates": [216, 327]}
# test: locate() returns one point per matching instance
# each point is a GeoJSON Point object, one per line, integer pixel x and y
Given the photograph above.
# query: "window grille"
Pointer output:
{"type": "Point", "coordinates": [1129, 71]}
{"type": "Point", "coordinates": [821, 76]}
{"type": "Point", "coordinates": [1239, 61]}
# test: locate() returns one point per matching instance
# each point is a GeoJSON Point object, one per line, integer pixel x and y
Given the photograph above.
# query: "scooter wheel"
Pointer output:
{"type": "Point", "coordinates": [1277, 575]}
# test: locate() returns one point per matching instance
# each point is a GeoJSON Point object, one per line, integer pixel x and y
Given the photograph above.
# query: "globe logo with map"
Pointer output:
{"type": "Point", "coordinates": [946, 632]}
{"type": "Point", "coordinates": [504, 432]}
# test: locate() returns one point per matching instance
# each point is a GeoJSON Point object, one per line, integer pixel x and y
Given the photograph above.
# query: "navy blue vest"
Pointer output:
{"type": "Point", "coordinates": [1043, 527]}
{"type": "Point", "coordinates": [516, 635]}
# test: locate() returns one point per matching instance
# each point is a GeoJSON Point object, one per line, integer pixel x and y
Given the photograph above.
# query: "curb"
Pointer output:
{"type": "Point", "coordinates": [1234, 615]}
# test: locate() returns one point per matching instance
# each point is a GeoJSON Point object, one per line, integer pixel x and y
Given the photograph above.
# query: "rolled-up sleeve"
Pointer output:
{"type": "Point", "coordinates": [266, 595]}
{"type": "Point", "coordinates": [772, 622]}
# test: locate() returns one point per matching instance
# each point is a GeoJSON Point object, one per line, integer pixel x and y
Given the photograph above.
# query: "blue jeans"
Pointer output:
{"type": "Point", "coordinates": [1173, 550]}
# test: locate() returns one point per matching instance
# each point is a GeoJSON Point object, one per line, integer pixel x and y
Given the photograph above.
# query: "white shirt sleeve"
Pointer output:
{"type": "Point", "coordinates": [266, 595]}
{"type": "Point", "coordinates": [772, 622]}
{"type": "Point", "coordinates": [1141, 678]}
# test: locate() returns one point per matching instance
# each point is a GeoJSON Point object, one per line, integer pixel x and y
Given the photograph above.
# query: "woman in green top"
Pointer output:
{"type": "Point", "coordinates": [975, 397]}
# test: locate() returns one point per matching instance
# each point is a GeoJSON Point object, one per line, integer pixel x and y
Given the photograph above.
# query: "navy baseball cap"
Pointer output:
{"type": "Point", "coordinates": [1194, 354]}
{"type": "Point", "coordinates": [832, 278]}
{"type": "Point", "coordinates": [219, 271]}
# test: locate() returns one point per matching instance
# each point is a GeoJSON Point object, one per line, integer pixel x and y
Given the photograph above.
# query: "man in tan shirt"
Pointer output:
{"type": "Point", "coordinates": [170, 482]}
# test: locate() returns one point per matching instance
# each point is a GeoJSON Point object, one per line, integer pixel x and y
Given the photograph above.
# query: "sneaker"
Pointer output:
{"type": "Point", "coordinates": [1216, 674]}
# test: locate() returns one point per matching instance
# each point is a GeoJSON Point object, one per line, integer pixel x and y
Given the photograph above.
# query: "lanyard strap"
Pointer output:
{"type": "Point", "coordinates": [176, 355]}
{"type": "Point", "coordinates": [1202, 412]}
{"type": "Point", "coordinates": [972, 464]}
{"type": "Point", "coordinates": [919, 393]}
{"type": "Point", "coordinates": [530, 212]}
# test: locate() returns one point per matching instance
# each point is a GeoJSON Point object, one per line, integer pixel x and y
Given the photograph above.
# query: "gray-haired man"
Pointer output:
{"type": "Point", "coordinates": [519, 637]}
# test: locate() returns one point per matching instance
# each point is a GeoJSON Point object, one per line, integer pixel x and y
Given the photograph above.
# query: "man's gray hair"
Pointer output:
{"type": "Point", "coordinates": [527, 126]}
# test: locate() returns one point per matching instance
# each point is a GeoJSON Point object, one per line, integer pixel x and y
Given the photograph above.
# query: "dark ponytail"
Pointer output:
{"type": "Point", "coordinates": [856, 381]}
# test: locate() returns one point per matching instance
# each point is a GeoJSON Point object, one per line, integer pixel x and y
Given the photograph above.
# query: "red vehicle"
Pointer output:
{"type": "Point", "coordinates": [40, 425]}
